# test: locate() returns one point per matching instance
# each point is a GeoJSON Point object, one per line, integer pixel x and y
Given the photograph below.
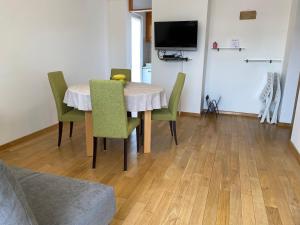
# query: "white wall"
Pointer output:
{"type": "Point", "coordinates": [38, 37]}
{"type": "Point", "coordinates": [296, 127]}
{"type": "Point", "coordinates": [291, 66]}
{"type": "Point", "coordinates": [119, 34]}
{"type": "Point", "coordinates": [292, 75]}
{"type": "Point", "coordinates": [165, 73]}
{"type": "Point", "coordinates": [227, 75]}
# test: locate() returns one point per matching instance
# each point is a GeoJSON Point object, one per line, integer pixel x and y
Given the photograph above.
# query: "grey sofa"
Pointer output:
{"type": "Point", "coordinates": [53, 200]}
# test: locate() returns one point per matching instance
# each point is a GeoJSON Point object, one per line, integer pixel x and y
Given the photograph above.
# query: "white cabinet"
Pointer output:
{"type": "Point", "coordinates": [146, 74]}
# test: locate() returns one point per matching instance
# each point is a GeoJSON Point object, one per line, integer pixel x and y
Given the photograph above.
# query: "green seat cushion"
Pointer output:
{"type": "Point", "coordinates": [162, 114]}
{"type": "Point", "coordinates": [73, 115]}
{"type": "Point", "coordinates": [132, 124]}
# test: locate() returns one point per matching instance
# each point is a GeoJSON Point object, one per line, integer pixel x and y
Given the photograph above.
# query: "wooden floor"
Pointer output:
{"type": "Point", "coordinates": [232, 170]}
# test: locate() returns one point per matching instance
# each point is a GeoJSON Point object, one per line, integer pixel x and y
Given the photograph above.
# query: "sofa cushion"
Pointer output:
{"type": "Point", "coordinates": [63, 201]}
{"type": "Point", "coordinates": [14, 209]}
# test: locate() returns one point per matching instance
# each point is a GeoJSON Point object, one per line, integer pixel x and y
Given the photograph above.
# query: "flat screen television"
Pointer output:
{"type": "Point", "coordinates": [176, 35]}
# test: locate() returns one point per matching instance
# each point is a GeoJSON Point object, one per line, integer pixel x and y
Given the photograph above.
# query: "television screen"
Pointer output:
{"type": "Point", "coordinates": [177, 35]}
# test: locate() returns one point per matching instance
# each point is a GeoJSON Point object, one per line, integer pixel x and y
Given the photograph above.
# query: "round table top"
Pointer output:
{"type": "Point", "coordinates": [138, 96]}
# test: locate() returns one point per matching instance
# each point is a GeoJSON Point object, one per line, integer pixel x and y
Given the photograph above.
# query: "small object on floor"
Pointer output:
{"type": "Point", "coordinates": [212, 105]}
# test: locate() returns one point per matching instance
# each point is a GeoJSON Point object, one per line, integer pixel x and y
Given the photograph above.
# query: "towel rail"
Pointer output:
{"type": "Point", "coordinates": [263, 60]}
{"type": "Point", "coordinates": [228, 48]}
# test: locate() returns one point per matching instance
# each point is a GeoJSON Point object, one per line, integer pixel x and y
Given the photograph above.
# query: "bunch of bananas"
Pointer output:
{"type": "Point", "coordinates": [120, 77]}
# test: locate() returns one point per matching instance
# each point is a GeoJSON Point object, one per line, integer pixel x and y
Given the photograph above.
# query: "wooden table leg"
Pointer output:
{"type": "Point", "coordinates": [89, 133]}
{"type": "Point", "coordinates": [147, 132]}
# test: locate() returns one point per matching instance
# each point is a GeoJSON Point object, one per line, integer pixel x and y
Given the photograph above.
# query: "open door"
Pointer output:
{"type": "Point", "coordinates": [136, 47]}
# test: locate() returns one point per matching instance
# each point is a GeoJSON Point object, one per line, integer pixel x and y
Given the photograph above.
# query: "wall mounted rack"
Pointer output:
{"type": "Point", "coordinates": [263, 60]}
{"type": "Point", "coordinates": [228, 48]}
{"type": "Point", "coordinates": [176, 57]}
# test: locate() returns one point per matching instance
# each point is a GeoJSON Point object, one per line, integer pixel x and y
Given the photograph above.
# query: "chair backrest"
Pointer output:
{"type": "Point", "coordinates": [108, 107]}
{"type": "Point", "coordinates": [59, 88]}
{"type": "Point", "coordinates": [126, 72]}
{"type": "Point", "coordinates": [176, 93]}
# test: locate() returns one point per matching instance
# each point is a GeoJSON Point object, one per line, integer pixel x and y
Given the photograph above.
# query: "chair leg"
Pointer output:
{"type": "Point", "coordinates": [142, 131]}
{"type": "Point", "coordinates": [215, 111]}
{"type": "Point", "coordinates": [137, 139]}
{"type": "Point", "coordinates": [60, 130]}
{"type": "Point", "coordinates": [142, 127]}
{"type": "Point", "coordinates": [171, 129]}
{"type": "Point", "coordinates": [104, 143]}
{"type": "Point", "coordinates": [206, 112]}
{"type": "Point", "coordinates": [142, 142]}
{"type": "Point", "coordinates": [94, 152]}
{"type": "Point", "coordinates": [125, 154]}
{"type": "Point", "coordinates": [71, 129]}
{"type": "Point", "coordinates": [140, 116]}
{"type": "Point", "coordinates": [174, 132]}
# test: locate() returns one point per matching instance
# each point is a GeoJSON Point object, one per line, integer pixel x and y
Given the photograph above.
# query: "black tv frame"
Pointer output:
{"type": "Point", "coordinates": [175, 48]}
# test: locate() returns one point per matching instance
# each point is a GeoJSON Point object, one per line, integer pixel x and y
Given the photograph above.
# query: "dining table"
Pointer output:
{"type": "Point", "coordinates": [139, 97]}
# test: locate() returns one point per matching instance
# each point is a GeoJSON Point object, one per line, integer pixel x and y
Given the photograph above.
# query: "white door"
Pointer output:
{"type": "Point", "coordinates": [136, 48]}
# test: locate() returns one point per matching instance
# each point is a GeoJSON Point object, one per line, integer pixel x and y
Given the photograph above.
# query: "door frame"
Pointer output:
{"type": "Point", "coordinates": [296, 101]}
{"type": "Point", "coordinates": [141, 43]}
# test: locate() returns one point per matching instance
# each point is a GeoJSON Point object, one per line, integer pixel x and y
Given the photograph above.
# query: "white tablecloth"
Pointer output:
{"type": "Point", "coordinates": [139, 97]}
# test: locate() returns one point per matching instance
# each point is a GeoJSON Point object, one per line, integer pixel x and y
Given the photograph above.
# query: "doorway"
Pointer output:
{"type": "Point", "coordinates": [136, 47]}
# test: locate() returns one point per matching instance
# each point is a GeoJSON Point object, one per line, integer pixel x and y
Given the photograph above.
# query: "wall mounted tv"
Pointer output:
{"type": "Point", "coordinates": [176, 35]}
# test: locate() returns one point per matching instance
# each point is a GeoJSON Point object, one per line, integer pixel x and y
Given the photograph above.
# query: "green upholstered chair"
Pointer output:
{"type": "Point", "coordinates": [109, 115]}
{"type": "Point", "coordinates": [126, 72]}
{"type": "Point", "coordinates": [64, 113]}
{"type": "Point", "coordinates": [170, 113]}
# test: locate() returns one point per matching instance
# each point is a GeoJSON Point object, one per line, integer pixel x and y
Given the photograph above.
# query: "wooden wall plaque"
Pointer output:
{"type": "Point", "coordinates": [248, 15]}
